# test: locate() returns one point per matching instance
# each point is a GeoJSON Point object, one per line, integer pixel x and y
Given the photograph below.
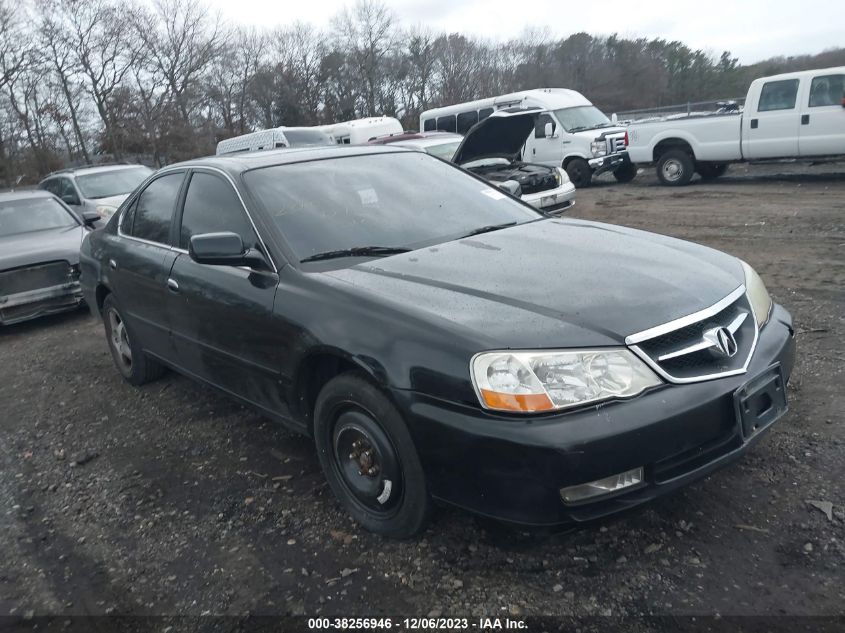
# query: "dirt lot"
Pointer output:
{"type": "Point", "coordinates": [172, 499]}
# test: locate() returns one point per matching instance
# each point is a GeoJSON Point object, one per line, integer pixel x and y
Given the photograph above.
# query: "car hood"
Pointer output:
{"type": "Point", "coordinates": [112, 201]}
{"type": "Point", "coordinates": [552, 283]}
{"type": "Point", "coordinates": [495, 136]}
{"type": "Point", "coordinates": [600, 132]}
{"type": "Point", "coordinates": [26, 249]}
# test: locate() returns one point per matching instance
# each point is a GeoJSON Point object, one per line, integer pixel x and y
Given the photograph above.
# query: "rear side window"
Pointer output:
{"type": "Point", "coordinates": [154, 209]}
{"type": "Point", "coordinates": [484, 113]}
{"type": "Point", "coordinates": [778, 95]}
{"type": "Point", "coordinates": [540, 125]}
{"type": "Point", "coordinates": [827, 90]}
{"type": "Point", "coordinates": [429, 125]}
{"type": "Point", "coordinates": [51, 185]}
{"type": "Point", "coordinates": [211, 206]}
{"type": "Point", "coordinates": [466, 120]}
{"type": "Point", "coordinates": [446, 123]}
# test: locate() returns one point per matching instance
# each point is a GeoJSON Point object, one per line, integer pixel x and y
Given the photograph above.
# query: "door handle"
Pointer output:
{"type": "Point", "coordinates": [112, 264]}
{"type": "Point", "coordinates": [805, 119]}
{"type": "Point", "coordinates": [172, 286]}
{"type": "Point", "coordinates": [754, 124]}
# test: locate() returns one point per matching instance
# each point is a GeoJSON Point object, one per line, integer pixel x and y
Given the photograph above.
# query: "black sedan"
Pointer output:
{"type": "Point", "coordinates": [442, 343]}
{"type": "Point", "coordinates": [39, 255]}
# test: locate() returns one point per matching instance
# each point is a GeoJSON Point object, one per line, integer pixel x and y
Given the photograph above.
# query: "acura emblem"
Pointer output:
{"type": "Point", "coordinates": [721, 341]}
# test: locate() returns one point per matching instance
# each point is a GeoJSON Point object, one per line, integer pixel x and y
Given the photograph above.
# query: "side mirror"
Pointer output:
{"type": "Point", "coordinates": [512, 187]}
{"type": "Point", "coordinates": [224, 249]}
{"type": "Point", "coordinates": [90, 218]}
{"type": "Point", "coordinates": [69, 198]}
{"type": "Point", "coordinates": [549, 129]}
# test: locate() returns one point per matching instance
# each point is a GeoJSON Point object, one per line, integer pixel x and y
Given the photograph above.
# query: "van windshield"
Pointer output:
{"type": "Point", "coordinates": [582, 118]}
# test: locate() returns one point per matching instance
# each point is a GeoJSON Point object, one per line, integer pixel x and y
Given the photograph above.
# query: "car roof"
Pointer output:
{"type": "Point", "coordinates": [244, 161]}
{"type": "Point", "coordinates": [23, 194]}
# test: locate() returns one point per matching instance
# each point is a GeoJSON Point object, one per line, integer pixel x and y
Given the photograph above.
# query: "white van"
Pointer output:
{"type": "Point", "coordinates": [360, 131]}
{"type": "Point", "coordinates": [274, 138]}
{"type": "Point", "coordinates": [572, 134]}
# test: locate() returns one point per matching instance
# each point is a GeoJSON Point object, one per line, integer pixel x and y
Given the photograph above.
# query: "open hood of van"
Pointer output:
{"type": "Point", "coordinates": [502, 134]}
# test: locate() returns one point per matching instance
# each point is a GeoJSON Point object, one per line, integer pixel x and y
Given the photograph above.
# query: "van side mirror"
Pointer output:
{"type": "Point", "coordinates": [549, 129]}
{"type": "Point", "coordinates": [90, 218]}
{"type": "Point", "coordinates": [224, 249]}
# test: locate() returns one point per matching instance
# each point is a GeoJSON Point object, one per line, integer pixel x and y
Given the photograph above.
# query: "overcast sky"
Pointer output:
{"type": "Point", "coordinates": [751, 29]}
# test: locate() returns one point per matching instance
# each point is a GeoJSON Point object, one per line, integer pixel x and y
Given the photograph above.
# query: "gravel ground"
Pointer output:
{"type": "Point", "coordinates": [172, 499]}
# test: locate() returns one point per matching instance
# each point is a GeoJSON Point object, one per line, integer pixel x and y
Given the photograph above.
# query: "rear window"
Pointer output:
{"type": "Point", "coordinates": [778, 95]}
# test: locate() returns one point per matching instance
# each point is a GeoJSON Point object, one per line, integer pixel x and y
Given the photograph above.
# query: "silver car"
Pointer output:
{"type": "Point", "coordinates": [99, 188]}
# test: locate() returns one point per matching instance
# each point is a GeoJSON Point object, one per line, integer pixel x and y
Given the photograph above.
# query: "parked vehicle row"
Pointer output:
{"type": "Point", "coordinates": [788, 116]}
{"type": "Point", "coordinates": [416, 333]}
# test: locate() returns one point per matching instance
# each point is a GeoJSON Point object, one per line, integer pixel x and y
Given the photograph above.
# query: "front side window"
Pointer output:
{"type": "Point", "coordinates": [540, 125]}
{"type": "Point", "coordinates": [113, 182]}
{"type": "Point", "coordinates": [33, 214]}
{"type": "Point", "coordinates": [154, 209]}
{"type": "Point", "coordinates": [212, 206]}
{"type": "Point", "coordinates": [827, 90]}
{"type": "Point", "coordinates": [382, 200]}
{"type": "Point", "coordinates": [67, 191]}
{"type": "Point", "coordinates": [778, 95]}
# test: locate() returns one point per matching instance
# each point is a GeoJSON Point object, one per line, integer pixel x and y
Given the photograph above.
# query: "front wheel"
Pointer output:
{"type": "Point", "coordinates": [369, 458]}
{"type": "Point", "coordinates": [579, 172]}
{"type": "Point", "coordinates": [675, 168]}
{"type": "Point", "coordinates": [626, 173]}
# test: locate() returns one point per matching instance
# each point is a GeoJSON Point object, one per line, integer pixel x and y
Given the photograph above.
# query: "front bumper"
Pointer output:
{"type": "Point", "coordinates": [608, 163]}
{"type": "Point", "coordinates": [553, 200]}
{"type": "Point", "coordinates": [513, 468]}
{"type": "Point", "coordinates": [27, 305]}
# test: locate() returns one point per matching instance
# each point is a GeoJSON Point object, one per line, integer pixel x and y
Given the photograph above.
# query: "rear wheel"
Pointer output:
{"type": "Point", "coordinates": [710, 171]}
{"type": "Point", "coordinates": [626, 173]}
{"type": "Point", "coordinates": [135, 366]}
{"type": "Point", "coordinates": [369, 458]}
{"type": "Point", "coordinates": [675, 168]}
{"type": "Point", "coordinates": [579, 172]}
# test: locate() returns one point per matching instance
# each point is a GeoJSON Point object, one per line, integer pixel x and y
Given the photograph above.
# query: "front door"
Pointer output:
{"type": "Point", "coordinates": [823, 119]}
{"type": "Point", "coordinates": [771, 129]}
{"type": "Point", "coordinates": [542, 149]}
{"type": "Point", "coordinates": [141, 260]}
{"type": "Point", "coordinates": [222, 315]}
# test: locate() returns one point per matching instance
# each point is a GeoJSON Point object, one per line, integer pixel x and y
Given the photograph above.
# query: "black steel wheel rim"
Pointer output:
{"type": "Point", "coordinates": [366, 462]}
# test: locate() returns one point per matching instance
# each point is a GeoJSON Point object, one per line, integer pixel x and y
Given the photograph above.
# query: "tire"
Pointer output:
{"type": "Point", "coordinates": [626, 173]}
{"type": "Point", "coordinates": [133, 364]}
{"type": "Point", "coordinates": [579, 172]}
{"type": "Point", "coordinates": [675, 168]}
{"type": "Point", "coordinates": [711, 171]}
{"type": "Point", "coordinates": [369, 458]}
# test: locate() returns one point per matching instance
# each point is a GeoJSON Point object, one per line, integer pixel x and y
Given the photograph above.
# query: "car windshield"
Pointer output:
{"type": "Point", "coordinates": [581, 118]}
{"type": "Point", "coordinates": [114, 182]}
{"type": "Point", "coordinates": [403, 200]}
{"type": "Point", "coordinates": [307, 138]}
{"type": "Point", "coordinates": [33, 214]}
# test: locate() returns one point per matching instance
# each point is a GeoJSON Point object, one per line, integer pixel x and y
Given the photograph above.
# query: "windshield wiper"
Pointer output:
{"type": "Point", "coordinates": [487, 229]}
{"type": "Point", "coordinates": [357, 251]}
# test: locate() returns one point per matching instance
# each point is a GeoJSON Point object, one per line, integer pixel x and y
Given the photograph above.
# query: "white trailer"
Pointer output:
{"type": "Point", "coordinates": [360, 131]}
{"type": "Point", "coordinates": [274, 138]}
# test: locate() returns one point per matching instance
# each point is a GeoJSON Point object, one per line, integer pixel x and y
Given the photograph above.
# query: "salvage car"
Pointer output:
{"type": "Point", "coordinates": [39, 255]}
{"type": "Point", "coordinates": [493, 150]}
{"type": "Point", "coordinates": [438, 342]}
{"type": "Point", "coordinates": [99, 188]}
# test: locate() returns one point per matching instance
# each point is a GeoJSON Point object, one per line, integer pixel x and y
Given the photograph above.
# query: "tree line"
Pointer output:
{"type": "Point", "coordinates": [86, 81]}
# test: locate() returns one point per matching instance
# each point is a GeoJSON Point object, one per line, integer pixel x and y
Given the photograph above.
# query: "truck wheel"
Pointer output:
{"type": "Point", "coordinates": [710, 171]}
{"type": "Point", "coordinates": [626, 173]}
{"type": "Point", "coordinates": [136, 367]}
{"type": "Point", "coordinates": [369, 458]}
{"type": "Point", "coordinates": [675, 168]}
{"type": "Point", "coordinates": [579, 172]}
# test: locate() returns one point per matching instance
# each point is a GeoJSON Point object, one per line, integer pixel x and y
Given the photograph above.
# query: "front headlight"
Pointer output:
{"type": "Point", "coordinates": [546, 381]}
{"type": "Point", "coordinates": [598, 148]}
{"type": "Point", "coordinates": [562, 176]}
{"type": "Point", "coordinates": [105, 211]}
{"type": "Point", "coordinates": [758, 296]}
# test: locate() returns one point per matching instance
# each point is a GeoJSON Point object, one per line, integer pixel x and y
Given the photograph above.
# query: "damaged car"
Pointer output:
{"type": "Point", "coordinates": [39, 255]}
{"type": "Point", "coordinates": [438, 343]}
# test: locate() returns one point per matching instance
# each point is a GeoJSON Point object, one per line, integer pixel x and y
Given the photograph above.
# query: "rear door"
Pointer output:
{"type": "Point", "coordinates": [221, 315]}
{"type": "Point", "coordinates": [141, 259]}
{"type": "Point", "coordinates": [823, 117]}
{"type": "Point", "coordinates": [771, 128]}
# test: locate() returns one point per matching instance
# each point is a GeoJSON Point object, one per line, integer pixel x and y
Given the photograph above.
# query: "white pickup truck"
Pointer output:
{"type": "Point", "coordinates": [794, 115]}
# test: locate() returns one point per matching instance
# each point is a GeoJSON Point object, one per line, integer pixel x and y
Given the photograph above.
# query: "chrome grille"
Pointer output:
{"type": "Point", "coordinates": [35, 277]}
{"type": "Point", "coordinates": [616, 144]}
{"type": "Point", "coordinates": [700, 346]}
